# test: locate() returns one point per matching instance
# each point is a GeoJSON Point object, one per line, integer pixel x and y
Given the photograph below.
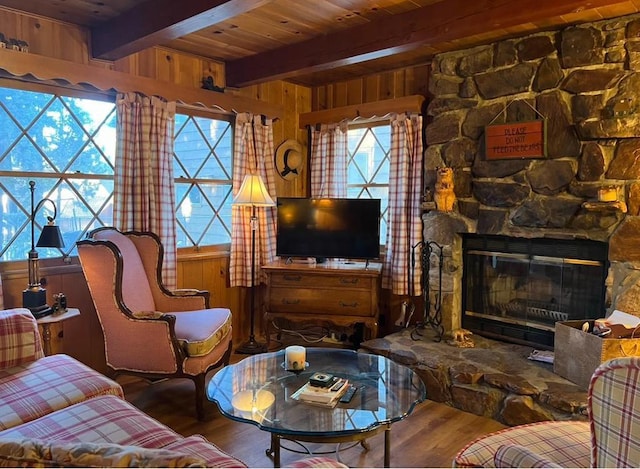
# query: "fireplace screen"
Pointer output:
{"type": "Point", "coordinates": [516, 289]}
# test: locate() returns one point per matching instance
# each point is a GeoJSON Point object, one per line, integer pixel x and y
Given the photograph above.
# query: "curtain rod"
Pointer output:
{"type": "Point", "coordinates": [376, 109]}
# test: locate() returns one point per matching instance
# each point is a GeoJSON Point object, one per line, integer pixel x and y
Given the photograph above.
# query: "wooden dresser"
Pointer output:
{"type": "Point", "coordinates": [339, 293]}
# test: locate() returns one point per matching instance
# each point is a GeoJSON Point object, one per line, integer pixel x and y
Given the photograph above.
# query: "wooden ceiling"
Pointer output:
{"type": "Point", "coordinates": [313, 42]}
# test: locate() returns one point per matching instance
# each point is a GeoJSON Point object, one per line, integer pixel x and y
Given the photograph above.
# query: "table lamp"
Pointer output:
{"type": "Point", "coordinates": [35, 297]}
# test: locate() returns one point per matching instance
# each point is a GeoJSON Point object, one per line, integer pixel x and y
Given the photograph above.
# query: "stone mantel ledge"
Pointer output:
{"type": "Point", "coordinates": [494, 379]}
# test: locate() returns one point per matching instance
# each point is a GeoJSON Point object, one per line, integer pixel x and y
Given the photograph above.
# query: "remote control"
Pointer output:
{"type": "Point", "coordinates": [337, 386]}
{"type": "Point", "coordinates": [347, 396]}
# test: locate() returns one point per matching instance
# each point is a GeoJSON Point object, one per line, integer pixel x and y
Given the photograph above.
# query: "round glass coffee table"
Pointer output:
{"type": "Point", "coordinates": [259, 390]}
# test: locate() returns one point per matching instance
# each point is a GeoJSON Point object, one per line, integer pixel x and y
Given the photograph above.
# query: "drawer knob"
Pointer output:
{"type": "Point", "coordinates": [293, 278]}
{"type": "Point", "coordinates": [348, 305]}
{"type": "Point", "coordinates": [290, 302]}
{"type": "Point", "coordinates": [348, 280]}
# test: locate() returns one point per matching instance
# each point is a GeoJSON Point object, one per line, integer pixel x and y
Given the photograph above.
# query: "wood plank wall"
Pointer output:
{"type": "Point", "coordinates": [378, 87]}
{"type": "Point", "coordinates": [196, 269]}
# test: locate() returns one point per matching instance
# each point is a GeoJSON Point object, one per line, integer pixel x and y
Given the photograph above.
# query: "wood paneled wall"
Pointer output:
{"type": "Point", "coordinates": [47, 37]}
{"type": "Point", "coordinates": [369, 89]}
{"type": "Point", "coordinates": [296, 100]}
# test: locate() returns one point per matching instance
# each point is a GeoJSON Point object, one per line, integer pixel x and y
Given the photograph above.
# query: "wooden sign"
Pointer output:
{"type": "Point", "coordinates": [516, 140]}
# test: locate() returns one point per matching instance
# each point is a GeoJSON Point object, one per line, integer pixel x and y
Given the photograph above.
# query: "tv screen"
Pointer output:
{"type": "Point", "coordinates": [328, 228]}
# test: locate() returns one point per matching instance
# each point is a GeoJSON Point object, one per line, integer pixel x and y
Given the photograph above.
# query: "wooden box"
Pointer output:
{"type": "Point", "coordinates": [577, 354]}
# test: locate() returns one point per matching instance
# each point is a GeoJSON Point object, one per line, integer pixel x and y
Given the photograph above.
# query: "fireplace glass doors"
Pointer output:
{"type": "Point", "coordinates": [516, 288]}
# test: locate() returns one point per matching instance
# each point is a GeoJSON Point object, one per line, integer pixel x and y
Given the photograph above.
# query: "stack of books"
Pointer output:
{"type": "Point", "coordinates": [326, 396]}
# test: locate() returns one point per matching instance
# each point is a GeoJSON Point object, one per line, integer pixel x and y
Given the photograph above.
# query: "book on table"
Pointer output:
{"type": "Point", "coordinates": [325, 396]}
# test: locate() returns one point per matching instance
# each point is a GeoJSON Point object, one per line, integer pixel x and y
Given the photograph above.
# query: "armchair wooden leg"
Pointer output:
{"type": "Point", "coordinates": [199, 382]}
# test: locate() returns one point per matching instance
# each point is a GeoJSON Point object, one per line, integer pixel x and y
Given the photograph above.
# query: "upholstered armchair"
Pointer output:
{"type": "Point", "coordinates": [610, 437]}
{"type": "Point", "coordinates": [148, 330]}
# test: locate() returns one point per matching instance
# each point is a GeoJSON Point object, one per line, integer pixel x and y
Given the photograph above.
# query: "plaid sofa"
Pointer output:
{"type": "Point", "coordinates": [57, 412]}
{"type": "Point", "coordinates": [611, 437]}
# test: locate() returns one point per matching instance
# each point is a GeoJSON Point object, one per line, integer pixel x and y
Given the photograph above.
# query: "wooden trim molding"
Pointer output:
{"type": "Point", "coordinates": [27, 66]}
{"type": "Point", "coordinates": [412, 103]}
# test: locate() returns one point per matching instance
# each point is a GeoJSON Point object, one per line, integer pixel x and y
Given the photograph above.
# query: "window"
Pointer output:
{"type": "Point", "coordinates": [203, 158]}
{"type": "Point", "coordinates": [368, 167]}
{"type": "Point", "coordinates": [66, 144]}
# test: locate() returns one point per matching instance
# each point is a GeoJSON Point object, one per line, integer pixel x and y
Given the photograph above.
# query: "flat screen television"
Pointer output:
{"type": "Point", "coordinates": [328, 228]}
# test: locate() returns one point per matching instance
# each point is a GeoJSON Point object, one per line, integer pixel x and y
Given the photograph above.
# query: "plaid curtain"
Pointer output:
{"type": "Point", "coordinates": [253, 153]}
{"type": "Point", "coordinates": [328, 162]}
{"type": "Point", "coordinates": [144, 197]}
{"type": "Point", "coordinates": [405, 192]}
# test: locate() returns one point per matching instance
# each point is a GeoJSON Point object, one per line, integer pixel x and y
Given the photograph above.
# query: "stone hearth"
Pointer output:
{"type": "Point", "coordinates": [494, 379]}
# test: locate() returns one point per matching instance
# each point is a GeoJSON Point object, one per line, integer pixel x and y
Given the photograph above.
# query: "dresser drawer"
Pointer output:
{"type": "Point", "coordinates": [298, 280]}
{"type": "Point", "coordinates": [321, 300]}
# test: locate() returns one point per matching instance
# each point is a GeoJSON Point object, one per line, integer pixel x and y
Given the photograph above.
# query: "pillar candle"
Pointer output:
{"type": "Point", "coordinates": [295, 357]}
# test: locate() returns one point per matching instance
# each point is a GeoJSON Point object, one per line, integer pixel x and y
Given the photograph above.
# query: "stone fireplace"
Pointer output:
{"type": "Point", "coordinates": [584, 81]}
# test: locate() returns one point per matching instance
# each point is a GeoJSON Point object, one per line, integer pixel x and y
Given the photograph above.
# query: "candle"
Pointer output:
{"type": "Point", "coordinates": [295, 357]}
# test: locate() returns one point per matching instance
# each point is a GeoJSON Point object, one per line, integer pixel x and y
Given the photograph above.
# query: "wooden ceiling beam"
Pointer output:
{"type": "Point", "coordinates": [438, 23]}
{"type": "Point", "coordinates": [158, 21]}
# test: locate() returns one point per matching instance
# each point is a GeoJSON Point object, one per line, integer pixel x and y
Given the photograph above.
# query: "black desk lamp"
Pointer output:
{"type": "Point", "coordinates": [35, 297]}
{"type": "Point", "coordinates": [253, 193]}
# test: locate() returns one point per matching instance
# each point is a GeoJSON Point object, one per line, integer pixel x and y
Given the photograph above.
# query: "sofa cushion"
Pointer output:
{"type": "Point", "coordinates": [103, 419]}
{"type": "Point", "coordinates": [200, 331]}
{"type": "Point", "coordinates": [565, 443]}
{"type": "Point", "coordinates": [198, 445]}
{"type": "Point", "coordinates": [316, 461]}
{"type": "Point", "coordinates": [519, 456]}
{"type": "Point", "coordinates": [108, 419]}
{"type": "Point", "coordinates": [34, 389]}
{"type": "Point", "coordinates": [41, 453]}
{"type": "Point", "coordinates": [19, 339]}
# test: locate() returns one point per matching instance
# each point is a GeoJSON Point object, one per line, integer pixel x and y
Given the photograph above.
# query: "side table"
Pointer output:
{"type": "Point", "coordinates": [46, 323]}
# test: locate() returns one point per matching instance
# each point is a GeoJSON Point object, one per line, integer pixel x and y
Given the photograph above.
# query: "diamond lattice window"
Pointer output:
{"type": "Point", "coordinates": [202, 167]}
{"type": "Point", "coordinates": [66, 145]}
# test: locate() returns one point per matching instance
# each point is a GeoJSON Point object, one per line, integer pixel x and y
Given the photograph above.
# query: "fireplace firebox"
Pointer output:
{"type": "Point", "coordinates": [515, 289]}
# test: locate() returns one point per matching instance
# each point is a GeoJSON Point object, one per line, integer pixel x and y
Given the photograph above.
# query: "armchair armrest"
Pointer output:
{"type": "Point", "coordinates": [187, 292]}
{"type": "Point", "coordinates": [520, 456]}
{"type": "Point", "coordinates": [147, 314]}
{"type": "Point", "coordinates": [184, 299]}
{"type": "Point", "coordinates": [20, 338]}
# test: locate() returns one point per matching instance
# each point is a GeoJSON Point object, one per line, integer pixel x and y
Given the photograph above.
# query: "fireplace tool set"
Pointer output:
{"type": "Point", "coordinates": [430, 316]}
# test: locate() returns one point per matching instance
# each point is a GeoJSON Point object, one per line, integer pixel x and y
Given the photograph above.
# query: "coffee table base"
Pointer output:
{"type": "Point", "coordinates": [274, 451]}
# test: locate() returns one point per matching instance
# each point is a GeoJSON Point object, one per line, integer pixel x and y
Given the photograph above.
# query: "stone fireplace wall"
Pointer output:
{"type": "Point", "coordinates": [585, 81]}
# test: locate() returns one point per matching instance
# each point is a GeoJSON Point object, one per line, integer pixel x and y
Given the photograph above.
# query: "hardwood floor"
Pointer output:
{"type": "Point", "coordinates": [429, 437]}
